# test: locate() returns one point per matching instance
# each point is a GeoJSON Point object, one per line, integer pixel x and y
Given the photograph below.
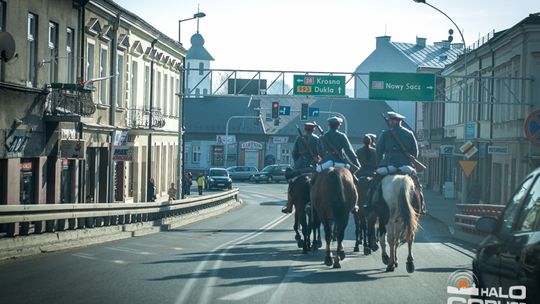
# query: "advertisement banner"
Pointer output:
{"type": "Point", "coordinates": [72, 149]}
{"type": "Point", "coordinates": [123, 153]}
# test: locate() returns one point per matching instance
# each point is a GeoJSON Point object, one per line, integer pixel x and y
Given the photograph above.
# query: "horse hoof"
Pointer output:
{"type": "Point", "coordinates": [395, 264]}
{"type": "Point", "coordinates": [385, 259]}
{"type": "Point", "coordinates": [341, 254]}
{"type": "Point", "coordinates": [319, 244]}
{"type": "Point", "coordinates": [297, 237]}
{"type": "Point", "coordinates": [367, 251]}
{"type": "Point", "coordinates": [374, 247]}
{"type": "Point", "coordinates": [356, 249]}
{"type": "Point", "coordinates": [328, 261]}
{"type": "Point", "coordinates": [337, 265]}
{"type": "Point", "coordinates": [314, 246]}
{"type": "Point", "coordinates": [300, 243]}
{"type": "Point", "coordinates": [410, 266]}
{"type": "Point", "coordinates": [390, 268]}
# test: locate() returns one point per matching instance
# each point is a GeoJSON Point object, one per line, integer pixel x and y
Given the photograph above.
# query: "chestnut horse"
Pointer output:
{"type": "Point", "coordinates": [398, 193]}
{"type": "Point", "coordinates": [334, 196]}
{"type": "Point", "coordinates": [299, 195]}
{"type": "Point", "coordinates": [365, 218]}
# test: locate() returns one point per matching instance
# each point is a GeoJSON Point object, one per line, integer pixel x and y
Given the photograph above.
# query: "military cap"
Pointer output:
{"type": "Point", "coordinates": [335, 120]}
{"type": "Point", "coordinates": [309, 126]}
{"type": "Point", "coordinates": [394, 115]}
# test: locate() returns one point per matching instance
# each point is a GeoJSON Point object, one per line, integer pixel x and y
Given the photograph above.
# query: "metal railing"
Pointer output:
{"type": "Point", "coordinates": [69, 99]}
{"type": "Point", "coordinates": [59, 217]}
{"type": "Point", "coordinates": [139, 118]}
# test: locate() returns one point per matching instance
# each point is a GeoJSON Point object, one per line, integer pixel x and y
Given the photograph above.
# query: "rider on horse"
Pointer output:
{"type": "Point", "coordinates": [367, 156]}
{"type": "Point", "coordinates": [305, 154]}
{"type": "Point", "coordinates": [397, 150]}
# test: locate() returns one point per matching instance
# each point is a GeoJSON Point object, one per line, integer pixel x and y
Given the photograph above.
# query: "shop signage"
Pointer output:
{"type": "Point", "coordinates": [429, 153]}
{"type": "Point", "coordinates": [123, 153]}
{"type": "Point", "coordinates": [251, 145]}
{"type": "Point", "coordinates": [501, 150]}
{"type": "Point", "coordinates": [447, 150]}
{"type": "Point", "coordinates": [222, 139]}
{"type": "Point", "coordinates": [280, 139]}
{"type": "Point", "coordinates": [72, 149]}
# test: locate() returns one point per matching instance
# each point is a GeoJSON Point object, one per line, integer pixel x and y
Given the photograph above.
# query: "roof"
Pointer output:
{"type": "Point", "coordinates": [197, 50]}
{"type": "Point", "coordinates": [429, 56]}
{"type": "Point", "coordinates": [209, 115]}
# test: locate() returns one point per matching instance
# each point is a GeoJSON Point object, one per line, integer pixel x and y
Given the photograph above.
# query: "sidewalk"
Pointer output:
{"type": "Point", "coordinates": [441, 209]}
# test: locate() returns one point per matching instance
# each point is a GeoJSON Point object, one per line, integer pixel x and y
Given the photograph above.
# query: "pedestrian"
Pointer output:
{"type": "Point", "coordinates": [200, 183]}
{"type": "Point", "coordinates": [189, 182]}
{"type": "Point", "coordinates": [151, 197]}
{"type": "Point", "coordinates": [172, 192]}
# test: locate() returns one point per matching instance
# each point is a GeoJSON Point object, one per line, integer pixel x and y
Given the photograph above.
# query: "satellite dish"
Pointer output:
{"type": "Point", "coordinates": [7, 46]}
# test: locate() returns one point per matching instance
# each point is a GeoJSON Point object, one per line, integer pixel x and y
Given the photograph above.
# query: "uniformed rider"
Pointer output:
{"type": "Point", "coordinates": [305, 154]}
{"type": "Point", "coordinates": [390, 154]}
{"type": "Point", "coordinates": [334, 144]}
{"type": "Point", "coordinates": [367, 156]}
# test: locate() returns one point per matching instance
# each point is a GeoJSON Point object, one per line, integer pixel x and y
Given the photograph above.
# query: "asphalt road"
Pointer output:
{"type": "Point", "coordinates": [248, 255]}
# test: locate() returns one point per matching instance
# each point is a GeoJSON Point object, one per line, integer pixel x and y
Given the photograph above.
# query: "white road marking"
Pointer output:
{"type": "Point", "coordinates": [128, 250]}
{"type": "Point", "coordinates": [246, 293]}
{"type": "Point", "coordinates": [182, 297]}
{"type": "Point", "coordinates": [84, 256]}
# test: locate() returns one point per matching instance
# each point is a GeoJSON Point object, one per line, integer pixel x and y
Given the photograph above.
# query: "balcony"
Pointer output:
{"type": "Point", "coordinates": [68, 102]}
{"type": "Point", "coordinates": [139, 118]}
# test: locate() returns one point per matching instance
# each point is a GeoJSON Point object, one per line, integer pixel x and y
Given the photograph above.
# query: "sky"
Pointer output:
{"type": "Point", "coordinates": [320, 35]}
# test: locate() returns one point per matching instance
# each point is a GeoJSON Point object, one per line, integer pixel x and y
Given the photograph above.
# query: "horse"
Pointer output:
{"type": "Point", "coordinates": [333, 196]}
{"type": "Point", "coordinates": [364, 218]}
{"type": "Point", "coordinates": [403, 222]}
{"type": "Point", "coordinates": [299, 195]}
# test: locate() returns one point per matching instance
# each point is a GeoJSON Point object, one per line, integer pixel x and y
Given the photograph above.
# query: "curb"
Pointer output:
{"type": "Point", "coordinates": [24, 246]}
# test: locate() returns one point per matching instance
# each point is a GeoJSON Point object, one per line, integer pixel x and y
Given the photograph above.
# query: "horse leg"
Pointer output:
{"type": "Point", "coordinates": [297, 236]}
{"type": "Point", "coordinates": [384, 255]}
{"type": "Point", "coordinates": [358, 224]}
{"type": "Point", "coordinates": [328, 237]}
{"type": "Point", "coordinates": [305, 231]}
{"type": "Point", "coordinates": [410, 259]}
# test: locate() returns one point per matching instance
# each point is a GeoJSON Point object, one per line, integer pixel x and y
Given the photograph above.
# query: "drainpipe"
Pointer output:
{"type": "Point", "coordinates": [149, 154]}
{"type": "Point", "coordinates": [114, 99]}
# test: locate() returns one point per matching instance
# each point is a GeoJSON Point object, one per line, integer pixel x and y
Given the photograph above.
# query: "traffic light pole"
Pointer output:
{"type": "Point", "coordinates": [227, 133]}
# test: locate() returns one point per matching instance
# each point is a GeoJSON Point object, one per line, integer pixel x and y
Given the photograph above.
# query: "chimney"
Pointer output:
{"type": "Point", "coordinates": [420, 42]}
{"type": "Point", "coordinates": [382, 40]}
{"type": "Point", "coordinates": [445, 44]}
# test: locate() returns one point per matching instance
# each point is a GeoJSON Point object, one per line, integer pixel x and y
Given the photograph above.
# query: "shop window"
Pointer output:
{"type": "Point", "coordinates": [27, 186]}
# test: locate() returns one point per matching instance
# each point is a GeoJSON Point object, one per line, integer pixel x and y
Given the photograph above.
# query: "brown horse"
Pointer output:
{"type": "Point", "coordinates": [299, 195]}
{"type": "Point", "coordinates": [333, 196]}
{"type": "Point", "coordinates": [398, 193]}
{"type": "Point", "coordinates": [364, 218]}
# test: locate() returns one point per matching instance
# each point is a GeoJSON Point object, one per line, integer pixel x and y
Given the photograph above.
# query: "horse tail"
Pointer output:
{"type": "Point", "coordinates": [410, 220]}
{"type": "Point", "coordinates": [338, 200]}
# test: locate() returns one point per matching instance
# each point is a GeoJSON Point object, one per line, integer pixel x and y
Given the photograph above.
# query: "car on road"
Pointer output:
{"type": "Point", "coordinates": [241, 173]}
{"type": "Point", "coordinates": [272, 173]}
{"type": "Point", "coordinates": [218, 178]}
{"type": "Point", "coordinates": [510, 254]}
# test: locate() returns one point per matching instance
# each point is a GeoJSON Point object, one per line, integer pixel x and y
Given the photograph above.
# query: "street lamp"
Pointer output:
{"type": "Point", "coordinates": [195, 16]}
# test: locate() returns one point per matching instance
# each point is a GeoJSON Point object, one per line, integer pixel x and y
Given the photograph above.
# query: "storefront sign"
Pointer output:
{"type": "Point", "coordinates": [251, 145]}
{"type": "Point", "coordinates": [120, 138]}
{"type": "Point", "coordinates": [447, 150]}
{"type": "Point", "coordinates": [26, 166]}
{"type": "Point", "coordinates": [123, 153]}
{"type": "Point", "coordinates": [280, 139]}
{"type": "Point", "coordinates": [72, 149]}
{"type": "Point", "coordinates": [68, 134]}
{"type": "Point", "coordinates": [429, 153]}
{"type": "Point", "coordinates": [501, 150]}
{"type": "Point", "coordinates": [222, 139]}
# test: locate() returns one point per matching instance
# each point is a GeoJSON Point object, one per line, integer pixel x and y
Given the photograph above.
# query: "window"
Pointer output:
{"type": "Point", "coordinates": [201, 68]}
{"type": "Point", "coordinates": [103, 73]}
{"type": "Point", "coordinates": [531, 212]}
{"type": "Point", "coordinates": [70, 43]}
{"type": "Point", "coordinates": [31, 46]}
{"type": "Point", "coordinates": [90, 60]}
{"type": "Point", "coordinates": [172, 98]}
{"type": "Point", "coordinates": [512, 209]}
{"type": "Point", "coordinates": [53, 52]}
{"type": "Point", "coordinates": [196, 154]}
{"type": "Point", "coordinates": [165, 95]}
{"type": "Point", "coordinates": [120, 71]}
{"type": "Point", "coordinates": [147, 87]}
{"type": "Point", "coordinates": [134, 79]}
{"type": "Point", "coordinates": [157, 103]}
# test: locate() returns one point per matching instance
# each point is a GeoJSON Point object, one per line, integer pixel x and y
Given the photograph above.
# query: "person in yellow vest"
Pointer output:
{"type": "Point", "coordinates": [200, 183]}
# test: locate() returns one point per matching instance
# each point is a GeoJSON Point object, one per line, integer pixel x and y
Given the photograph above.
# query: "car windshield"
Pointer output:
{"type": "Point", "coordinates": [267, 169]}
{"type": "Point", "coordinates": [218, 173]}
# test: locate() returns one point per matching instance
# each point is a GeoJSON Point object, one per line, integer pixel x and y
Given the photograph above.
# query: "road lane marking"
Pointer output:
{"type": "Point", "coordinates": [84, 256]}
{"type": "Point", "coordinates": [182, 297]}
{"type": "Point", "coordinates": [246, 293]}
{"type": "Point", "coordinates": [129, 250]}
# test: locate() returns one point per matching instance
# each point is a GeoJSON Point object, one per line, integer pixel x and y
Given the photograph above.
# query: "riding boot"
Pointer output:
{"type": "Point", "coordinates": [420, 205]}
{"type": "Point", "coordinates": [288, 207]}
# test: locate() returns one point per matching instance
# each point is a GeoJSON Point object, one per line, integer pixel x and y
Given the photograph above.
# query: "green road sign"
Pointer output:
{"type": "Point", "coordinates": [319, 85]}
{"type": "Point", "coordinates": [402, 86]}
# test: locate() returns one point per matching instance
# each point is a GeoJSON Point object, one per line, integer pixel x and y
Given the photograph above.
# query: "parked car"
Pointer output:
{"type": "Point", "coordinates": [510, 254]}
{"type": "Point", "coordinates": [272, 173]}
{"type": "Point", "coordinates": [218, 178]}
{"type": "Point", "coordinates": [241, 173]}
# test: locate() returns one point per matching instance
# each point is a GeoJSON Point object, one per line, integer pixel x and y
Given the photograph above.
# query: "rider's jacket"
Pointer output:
{"type": "Point", "coordinates": [301, 154]}
{"type": "Point", "coordinates": [333, 144]}
{"type": "Point", "coordinates": [367, 156]}
{"type": "Point", "coordinates": [389, 151]}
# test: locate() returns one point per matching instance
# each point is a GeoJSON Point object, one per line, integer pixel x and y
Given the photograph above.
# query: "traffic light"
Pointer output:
{"type": "Point", "coordinates": [304, 114]}
{"type": "Point", "coordinates": [275, 109]}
